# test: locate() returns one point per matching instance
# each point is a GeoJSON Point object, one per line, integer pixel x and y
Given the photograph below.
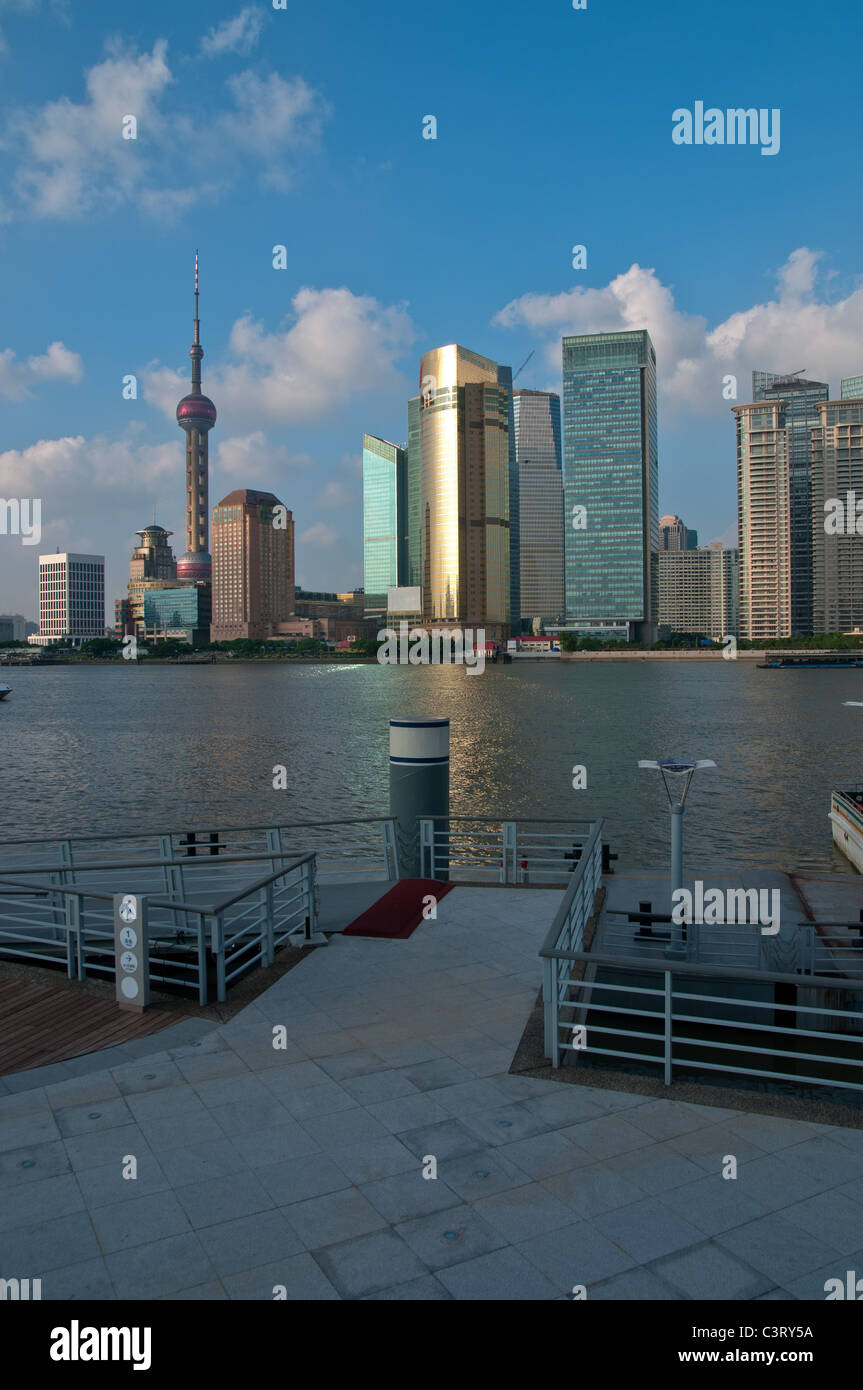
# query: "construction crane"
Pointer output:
{"type": "Point", "coordinates": [524, 364]}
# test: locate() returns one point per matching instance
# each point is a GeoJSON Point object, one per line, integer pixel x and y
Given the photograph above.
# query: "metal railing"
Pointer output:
{"type": "Point", "coordinates": [346, 850]}
{"type": "Point", "coordinates": [483, 849]}
{"type": "Point", "coordinates": [191, 944]}
{"type": "Point", "coordinates": [701, 1018]}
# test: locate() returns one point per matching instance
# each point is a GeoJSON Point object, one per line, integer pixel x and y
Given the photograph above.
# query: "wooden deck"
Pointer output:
{"type": "Point", "coordinates": [47, 1023]}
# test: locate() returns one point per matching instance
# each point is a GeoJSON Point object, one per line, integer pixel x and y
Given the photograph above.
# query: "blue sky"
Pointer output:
{"type": "Point", "coordinates": [303, 127]}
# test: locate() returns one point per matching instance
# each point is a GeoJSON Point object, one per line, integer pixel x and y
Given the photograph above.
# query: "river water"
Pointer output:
{"type": "Point", "coordinates": [96, 749]}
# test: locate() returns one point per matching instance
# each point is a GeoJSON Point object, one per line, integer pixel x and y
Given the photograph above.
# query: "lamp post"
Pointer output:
{"type": "Point", "coordinates": [677, 773]}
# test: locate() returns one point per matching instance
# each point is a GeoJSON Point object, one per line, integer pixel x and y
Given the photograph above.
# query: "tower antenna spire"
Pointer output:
{"type": "Point", "coordinates": [197, 324]}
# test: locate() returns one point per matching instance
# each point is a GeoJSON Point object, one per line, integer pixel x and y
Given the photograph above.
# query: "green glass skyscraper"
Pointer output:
{"type": "Point", "coordinates": [611, 484]}
{"type": "Point", "coordinates": [385, 524]}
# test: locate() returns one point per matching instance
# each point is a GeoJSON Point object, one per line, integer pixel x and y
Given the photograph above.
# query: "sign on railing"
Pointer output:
{"type": "Point", "coordinates": [132, 974]}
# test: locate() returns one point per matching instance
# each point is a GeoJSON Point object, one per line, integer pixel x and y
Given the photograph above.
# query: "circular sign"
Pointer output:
{"type": "Point", "coordinates": [129, 909]}
{"type": "Point", "coordinates": [128, 937]}
{"type": "Point", "coordinates": [129, 987]}
{"type": "Point", "coordinates": [129, 962]}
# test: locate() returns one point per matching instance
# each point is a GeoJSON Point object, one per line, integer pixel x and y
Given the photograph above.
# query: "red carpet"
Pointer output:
{"type": "Point", "coordinates": [400, 911]}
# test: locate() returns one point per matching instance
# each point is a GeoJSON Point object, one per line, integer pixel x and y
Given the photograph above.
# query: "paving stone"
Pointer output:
{"type": "Point", "coordinates": [370, 1263]}
{"type": "Point", "coordinates": [223, 1199]}
{"type": "Point", "coordinates": [235, 1246]}
{"type": "Point", "coordinates": [710, 1272]}
{"type": "Point", "coordinates": [482, 1174]}
{"type": "Point", "coordinates": [574, 1254]}
{"type": "Point", "coordinates": [300, 1277]}
{"type": "Point", "coordinates": [406, 1195]}
{"type": "Point", "coordinates": [138, 1221]}
{"type": "Point", "coordinates": [197, 1162]}
{"type": "Point", "coordinates": [355, 1126]}
{"type": "Point", "coordinates": [44, 1200]}
{"type": "Point", "coordinates": [639, 1285]}
{"type": "Point", "coordinates": [373, 1159]}
{"type": "Point", "coordinates": [521, 1212]}
{"type": "Point", "coordinates": [296, 1180]}
{"type": "Point", "coordinates": [335, 1217]}
{"type": "Point", "coordinates": [426, 1289]}
{"type": "Point", "coordinates": [157, 1269]}
{"type": "Point", "coordinates": [778, 1248]}
{"type": "Point", "coordinates": [450, 1237]}
{"type": "Point", "coordinates": [647, 1229]}
{"type": "Point", "coordinates": [42, 1246]}
{"type": "Point", "coordinates": [502, 1275]}
{"type": "Point", "coordinates": [42, 1160]}
{"type": "Point", "coordinates": [88, 1279]}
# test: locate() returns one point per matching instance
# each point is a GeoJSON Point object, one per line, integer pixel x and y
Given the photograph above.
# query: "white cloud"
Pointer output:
{"type": "Point", "coordinates": [61, 470]}
{"type": "Point", "coordinates": [57, 364]}
{"type": "Point", "coordinates": [338, 346]}
{"type": "Point", "coordinates": [319, 534]}
{"type": "Point", "coordinates": [336, 495]}
{"type": "Point", "coordinates": [824, 337]}
{"type": "Point", "coordinates": [237, 35]}
{"type": "Point", "coordinates": [252, 456]}
{"type": "Point", "coordinates": [72, 158]}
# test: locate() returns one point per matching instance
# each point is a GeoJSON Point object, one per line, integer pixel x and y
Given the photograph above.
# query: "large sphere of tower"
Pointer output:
{"type": "Point", "coordinates": [196, 412]}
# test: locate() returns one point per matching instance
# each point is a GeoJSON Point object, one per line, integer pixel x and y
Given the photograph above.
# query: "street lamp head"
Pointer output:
{"type": "Point", "coordinates": [678, 767]}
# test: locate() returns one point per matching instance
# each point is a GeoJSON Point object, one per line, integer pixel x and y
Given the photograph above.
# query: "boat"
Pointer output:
{"type": "Point", "coordinates": [4, 691]}
{"type": "Point", "coordinates": [846, 817]}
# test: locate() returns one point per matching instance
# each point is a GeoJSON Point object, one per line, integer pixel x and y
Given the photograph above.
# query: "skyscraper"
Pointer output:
{"type": "Point", "coordinates": [800, 399]}
{"type": "Point", "coordinates": [385, 520]}
{"type": "Point", "coordinates": [851, 388]}
{"type": "Point", "coordinates": [610, 484]}
{"type": "Point", "coordinates": [837, 470]}
{"type": "Point", "coordinates": [152, 566]}
{"type": "Point", "coordinates": [699, 590]}
{"type": "Point", "coordinates": [536, 417]}
{"type": "Point", "coordinates": [71, 599]}
{"type": "Point", "coordinates": [465, 427]}
{"type": "Point", "coordinates": [253, 565]}
{"type": "Point", "coordinates": [413, 577]}
{"type": "Point", "coordinates": [196, 414]}
{"type": "Point", "coordinates": [674, 535]}
{"type": "Point", "coordinates": [764, 520]}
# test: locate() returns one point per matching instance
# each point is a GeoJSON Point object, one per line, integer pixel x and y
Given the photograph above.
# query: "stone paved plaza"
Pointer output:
{"type": "Point", "coordinates": [302, 1168]}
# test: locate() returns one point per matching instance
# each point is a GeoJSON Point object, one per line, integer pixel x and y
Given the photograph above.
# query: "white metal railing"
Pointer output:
{"type": "Point", "coordinates": [346, 850]}
{"type": "Point", "coordinates": [695, 1017]}
{"type": "Point", "coordinates": [481, 849]}
{"type": "Point", "coordinates": [191, 945]}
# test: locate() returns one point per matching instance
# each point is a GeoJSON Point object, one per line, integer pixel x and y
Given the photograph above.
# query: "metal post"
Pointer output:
{"type": "Point", "coordinates": [269, 944]}
{"type": "Point", "coordinates": [669, 997]}
{"type": "Point", "coordinates": [510, 852]}
{"type": "Point", "coordinates": [549, 1006]}
{"type": "Point", "coordinates": [131, 952]}
{"type": "Point", "coordinates": [218, 945]}
{"type": "Point", "coordinates": [676, 945]}
{"type": "Point", "coordinates": [419, 787]}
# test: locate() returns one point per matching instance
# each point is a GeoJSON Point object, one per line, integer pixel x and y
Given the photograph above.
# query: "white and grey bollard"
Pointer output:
{"type": "Point", "coordinates": [132, 966]}
{"type": "Point", "coordinates": [419, 789]}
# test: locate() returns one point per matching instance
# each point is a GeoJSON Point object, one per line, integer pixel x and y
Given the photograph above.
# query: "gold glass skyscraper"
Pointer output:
{"type": "Point", "coordinates": [465, 412]}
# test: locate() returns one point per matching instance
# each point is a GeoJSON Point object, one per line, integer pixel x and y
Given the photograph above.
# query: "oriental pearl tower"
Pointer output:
{"type": "Point", "coordinates": [196, 414]}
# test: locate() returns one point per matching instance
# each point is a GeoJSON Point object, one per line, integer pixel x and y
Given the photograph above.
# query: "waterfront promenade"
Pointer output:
{"type": "Point", "coordinates": [302, 1169]}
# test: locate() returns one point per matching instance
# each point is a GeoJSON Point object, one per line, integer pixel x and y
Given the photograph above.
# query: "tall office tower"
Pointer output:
{"type": "Point", "coordinates": [465, 414]}
{"type": "Point", "coordinates": [764, 520]}
{"type": "Point", "coordinates": [152, 566]}
{"type": "Point", "coordinates": [698, 590]}
{"type": "Point", "coordinates": [413, 577]}
{"type": "Point", "coordinates": [196, 414]}
{"type": "Point", "coordinates": [253, 565]}
{"type": "Point", "coordinates": [800, 398]}
{"type": "Point", "coordinates": [610, 484]}
{"type": "Point", "coordinates": [385, 523]}
{"type": "Point", "coordinates": [674, 535]}
{"type": "Point", "coordinates": [851, 388]}
{"type": "Point", "coordinates": [504, 379]}
{"type": "Point", "coordinates": [536, 417]}
{"type": "Point", "coordinates": [71, 599]}
{"type": "Point", "coordinates": [837, 470]}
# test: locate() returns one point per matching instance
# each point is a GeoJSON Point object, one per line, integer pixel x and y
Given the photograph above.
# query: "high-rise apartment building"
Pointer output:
{"type": "Point", "coordinates": [610, 483]}
{"type": "Point", "coordinates": [851, 388]}
{"type": "Point", "coordinates": [253, 565]}
{"type": "Point", "coordinates": [799, 398]}
{"type": "Point", "coordinates": [71, 599]}
{"type": "Point", "coordinates": [764, 520]}
{"type": "Point", "coordinates": [536, 418]}
{"type": "Point", "coordinates": [698, 590]}
{"type": "Point", "coordinates": [467, 454]}
{"type": "Point", "coordinates": [837, 477]}
{"type": "Point", "coordinates": [385, 517]}
{"type": "Point", "coordinates": [674, 535]}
